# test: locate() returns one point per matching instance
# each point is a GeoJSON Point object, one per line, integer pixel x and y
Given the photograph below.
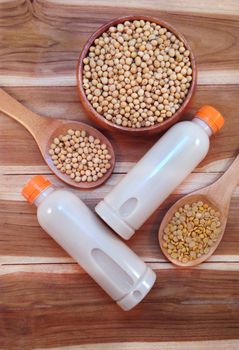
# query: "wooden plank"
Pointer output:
{"type": "Point", "coordinates": [11, 186]}
{"type": "Point", "coordinates": [231, 344]}
{"type": "Point", "coordinates": [19, 219]}
{"type": "Point", "coordinates": [74, 268]}
{"type": "Point", "coordinates": [205, 77]}
{"type": "Point", "coordinates": [45, 310]}
{"type": "Point", "coordinates": [214, 7]}
{"type": "Point", "coordinates": [217, 166]}
{"type": "Point", "coordinates": [216, 77]}
{"type": "Point", "coordinates": [62, 102]}
{"type": "Point", "coordinates": [45, 47]}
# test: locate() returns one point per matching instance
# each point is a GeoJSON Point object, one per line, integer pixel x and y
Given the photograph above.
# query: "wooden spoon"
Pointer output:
{"type": "Point", "coordinates": [44, 130]}
{"type": "Point", "coordinates": [218, 196]}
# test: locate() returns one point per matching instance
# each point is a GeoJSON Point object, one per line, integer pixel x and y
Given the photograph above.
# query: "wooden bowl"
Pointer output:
{"type": "Point", "coordinates": [98, 118]}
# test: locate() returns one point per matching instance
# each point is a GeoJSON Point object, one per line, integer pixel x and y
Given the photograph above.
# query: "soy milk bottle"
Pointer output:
{"type": "Point", "coordinates": [115, 267]}
{"type": "Point", "coordinates": [159, 172]}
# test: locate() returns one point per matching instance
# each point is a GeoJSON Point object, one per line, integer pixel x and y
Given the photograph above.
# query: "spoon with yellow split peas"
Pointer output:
{"type": "Point", "coordinates": [194, 226]}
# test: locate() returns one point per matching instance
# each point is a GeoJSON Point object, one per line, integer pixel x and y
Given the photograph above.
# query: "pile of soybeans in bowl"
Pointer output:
{"type": "Point", "coordinates": [137, 74]}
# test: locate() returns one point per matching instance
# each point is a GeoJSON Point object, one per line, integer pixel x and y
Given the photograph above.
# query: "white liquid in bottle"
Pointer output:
{"type": "Point", "coordinates": [158, 173]}
{"type": "Point", "coordinates": [115, 267]}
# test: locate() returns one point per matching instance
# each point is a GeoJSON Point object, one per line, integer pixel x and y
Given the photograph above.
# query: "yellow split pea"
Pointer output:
{"type": "Point", "coordinates": [137, 74]}
{"type": "Point", "coordinates": [192, 231]}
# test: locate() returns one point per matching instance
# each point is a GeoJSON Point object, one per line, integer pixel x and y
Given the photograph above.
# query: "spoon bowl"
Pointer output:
{"type": "Point", "coordinates": [74, 125]}
{"type": "Point", "coordinates": [217, 196]}
{"type": "Point", "coordinates": [189, 199]}
{"type": "Point", "coordinates": [44, 130]}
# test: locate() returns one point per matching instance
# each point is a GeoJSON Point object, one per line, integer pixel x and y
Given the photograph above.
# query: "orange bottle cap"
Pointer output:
{"type": "Point", "coordinates": [211, 116]}
{"type": "Point", "coordinates": [34, 187]}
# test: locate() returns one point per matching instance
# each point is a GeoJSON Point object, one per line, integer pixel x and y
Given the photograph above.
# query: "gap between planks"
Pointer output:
{"type": "Point", "coordinates": [56, 265]}
{"type": "Point", "coordinates": [218, 166]}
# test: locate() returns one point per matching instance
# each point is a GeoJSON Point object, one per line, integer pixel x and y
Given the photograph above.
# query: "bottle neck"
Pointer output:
{"type": "Point", "coordinates": [43, 195]}
{"type": "Point", "coordinates": [203, 125]}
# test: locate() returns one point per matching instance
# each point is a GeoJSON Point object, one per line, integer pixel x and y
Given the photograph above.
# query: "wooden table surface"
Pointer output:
{"type": "Point", "coordinates": [48, 301]}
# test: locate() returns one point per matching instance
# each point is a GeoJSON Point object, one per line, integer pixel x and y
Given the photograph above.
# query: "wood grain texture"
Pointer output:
{"type": "Point", "coordinates": [214, 7]}
{"type": "Point", "coordinates": [183, 305]}
{"type": "Point", "coordinates": [46, 300]}
{"type": "Point", "coordinates": [47, 44]}
{"type": "Point", "coordinates": [192, 345]}
{"type": "Point", "coordinates": [63, 102]}
{"type": "Point", "coordinates": [35, 243]}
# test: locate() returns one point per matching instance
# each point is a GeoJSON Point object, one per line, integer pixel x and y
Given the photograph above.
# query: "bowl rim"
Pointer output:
{"type": "Point", "coordinates": [93, 114]}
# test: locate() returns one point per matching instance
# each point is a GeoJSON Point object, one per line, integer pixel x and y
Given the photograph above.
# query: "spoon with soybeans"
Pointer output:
{"type": "Point", "coordinates": [194, 226]}
{"type": "Point", "coordinates": [77, 153]}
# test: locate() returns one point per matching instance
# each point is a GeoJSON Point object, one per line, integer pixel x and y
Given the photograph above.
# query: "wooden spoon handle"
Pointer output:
{"type": "Point", "coordinates": [14, 109]}
{"type": "Point", "coordinates": [222, 189]}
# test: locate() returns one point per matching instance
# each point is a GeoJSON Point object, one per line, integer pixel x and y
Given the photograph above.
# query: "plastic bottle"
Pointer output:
{"type": "Point", "coordinates": [115, 267]}
{"type": "Point", "coordinates": [159, 172]}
